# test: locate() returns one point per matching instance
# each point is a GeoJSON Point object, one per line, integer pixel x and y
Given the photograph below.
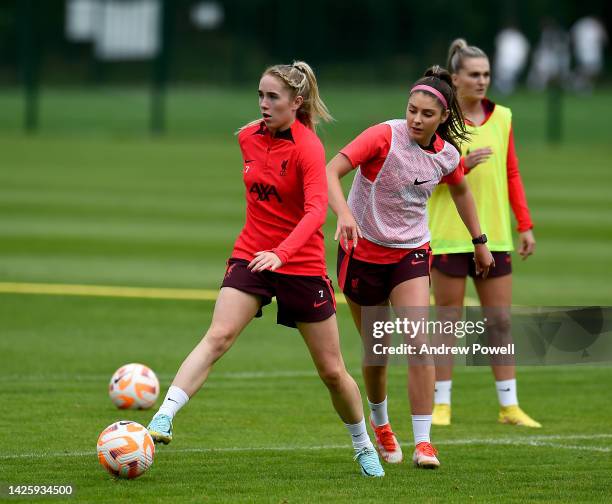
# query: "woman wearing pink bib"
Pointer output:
{"type": "Point", "coordinates": [384, 255]}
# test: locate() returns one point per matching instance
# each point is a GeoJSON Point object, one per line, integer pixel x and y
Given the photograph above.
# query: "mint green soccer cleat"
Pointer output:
{"type": "Point", "coordinates": [160, 428]}
{"type": "Point", "coordinates": [369, 463]}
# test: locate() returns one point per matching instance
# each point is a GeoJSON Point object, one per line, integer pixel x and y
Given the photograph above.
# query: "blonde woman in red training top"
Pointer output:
{"type": "Point", "coordinates": [280, 253]}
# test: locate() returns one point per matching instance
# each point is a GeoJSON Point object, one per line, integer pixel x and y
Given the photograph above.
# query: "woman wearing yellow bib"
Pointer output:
{"type": "Point", "coordinates": [490, 160]}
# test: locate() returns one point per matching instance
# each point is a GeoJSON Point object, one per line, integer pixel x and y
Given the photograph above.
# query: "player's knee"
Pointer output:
{"type": "Point", "coordinates": [448, 312]}
{"type": "Point", "coordinates": [332, 376]}
{"type": "Point", "coordinates": [499, 323]}
{"type": "Point", "coordinates": [499, 330]}
{"type": "Point", "coordinates": [220, 339]}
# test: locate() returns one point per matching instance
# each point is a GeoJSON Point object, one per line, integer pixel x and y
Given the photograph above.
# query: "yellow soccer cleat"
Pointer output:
{"type": "Point", "coordinates": [514, 415]}
{"type": "Point", "coordinates": [441, 414]}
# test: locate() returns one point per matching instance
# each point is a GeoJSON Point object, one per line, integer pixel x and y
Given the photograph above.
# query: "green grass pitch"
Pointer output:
{"type": "Point", "coordinates": [93, 200]}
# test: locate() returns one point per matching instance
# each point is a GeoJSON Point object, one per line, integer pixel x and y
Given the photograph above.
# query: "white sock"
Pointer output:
{"type": "Point", "coordinates": [421, 426]}
{"type": "Point", "coordinates": [506, 392]}
{"type": "Point", "coordinates": [442, 394]}
{"type": "Point", "coordinates": [379, 413]}
{"type": "Point", "coordinates": [175, 399]}
{"type": "Point", "coordinates": [359, 435]}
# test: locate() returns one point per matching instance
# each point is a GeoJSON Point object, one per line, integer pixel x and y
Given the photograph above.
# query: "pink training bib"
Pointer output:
{"type": "Point", "coordinates": [392, 210]}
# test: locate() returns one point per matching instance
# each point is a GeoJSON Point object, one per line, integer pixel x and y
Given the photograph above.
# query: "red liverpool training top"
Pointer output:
{"type": "Point", "coordinates": [286, 193]}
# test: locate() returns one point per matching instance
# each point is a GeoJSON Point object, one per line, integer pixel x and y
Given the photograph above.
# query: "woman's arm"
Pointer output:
{"type": "Point", "coordinates": [518, 202]}
{"type": "Point", "coordinates": [347, 227]}
{"type": "Point", "coordinates": [464, 201]}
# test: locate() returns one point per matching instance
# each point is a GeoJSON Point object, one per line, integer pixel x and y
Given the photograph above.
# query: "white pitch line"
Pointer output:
{"type": "Point", "coordinates": [572, 447]}
{"type": "Point", "coordinates": [543, 441]}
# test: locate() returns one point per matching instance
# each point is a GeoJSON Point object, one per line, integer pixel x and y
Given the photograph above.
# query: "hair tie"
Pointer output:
{"type": "Point", "coordinates": [432, 90]}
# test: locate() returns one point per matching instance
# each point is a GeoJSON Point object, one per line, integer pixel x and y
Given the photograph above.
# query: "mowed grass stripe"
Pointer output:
{"type": "Point", "coordinates": [538, 441]}
{"type": "Point", "coordinates": [128, 292]}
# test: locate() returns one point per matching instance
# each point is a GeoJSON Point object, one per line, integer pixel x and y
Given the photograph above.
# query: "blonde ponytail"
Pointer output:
{"type": "Point", "coordinates": [313, 110]}
{"type": "Point", "coordinates": [458, 51]}
{"type": "Point", "coordinates": [300, 80]}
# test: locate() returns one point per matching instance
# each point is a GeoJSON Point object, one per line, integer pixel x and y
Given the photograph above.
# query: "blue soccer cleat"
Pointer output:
{"type": "Point", "coordinates": [160, 428]}
{"type": "Point", "coordinates": [369, 463]}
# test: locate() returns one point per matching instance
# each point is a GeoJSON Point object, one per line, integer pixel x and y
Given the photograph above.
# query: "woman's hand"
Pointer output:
{"type": "Point", "coordinates": [477, 156]}
{"type": "Point", "coordinates": [527, 244]}
{"type": "Point", "coordinates": [483, 259]}
{"type": "Point", "coordinates": [347, 229]}
{"type": "Point", "coordinates": [265, 260]}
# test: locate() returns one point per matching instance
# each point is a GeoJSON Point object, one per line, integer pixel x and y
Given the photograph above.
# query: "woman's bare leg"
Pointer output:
{"type": "Point", "coordinates": [234, 309]}
{"type": "Point", "coordinates": [323, 342]}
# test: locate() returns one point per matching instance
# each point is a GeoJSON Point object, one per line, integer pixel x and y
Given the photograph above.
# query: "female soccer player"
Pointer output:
{"type": "Point", "coordinates": [280, 252]}
{"type": "Point", "coordinates": [490, 160]}
{"type": "Point", "coordinates": [400, 163]}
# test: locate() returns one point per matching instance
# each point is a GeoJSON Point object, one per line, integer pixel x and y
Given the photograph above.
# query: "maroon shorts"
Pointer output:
{"type": "Point", "coordinates": [300, 298]}
{"type": "Point", "coordinates": [369, 284]}
{"type": "Point", "coordinates": [462, 264]}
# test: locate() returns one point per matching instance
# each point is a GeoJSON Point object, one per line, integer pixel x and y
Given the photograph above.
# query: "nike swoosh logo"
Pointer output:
{"type": "Point", "coordinates": [414, 263]}
{"type": "Point", "coordinates": [504, 390]}
{"type": "Point", "coordinates": [419, 182]}
{"type": "Point", "coordinates": [172, 400]}
{"type": "Point", "coordinates": [249, 160]}
{"type": "Point", "coordinates": [317, 305]}
{"type": "Point", "coordinates": [125, 423]}
{"type": "Point", "coordinates": [116, 380]}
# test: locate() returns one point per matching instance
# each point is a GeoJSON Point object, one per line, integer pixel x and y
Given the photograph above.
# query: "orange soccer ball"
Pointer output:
{"type": "Point", "coordinates": [133, 386]}
{"type": "Point", "coordinates": [126, 449]}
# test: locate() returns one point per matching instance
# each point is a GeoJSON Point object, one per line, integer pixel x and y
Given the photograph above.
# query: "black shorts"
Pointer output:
{"type": "Point", "coordinates": [300, 298]}
{"type": "Point", "coordinates": [370, 284]}
{"type": "Point", "coordinates": [462, 264]}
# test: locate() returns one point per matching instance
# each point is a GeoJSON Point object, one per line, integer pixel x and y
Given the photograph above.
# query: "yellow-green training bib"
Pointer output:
{"type": "Point", "coordinates": [489, 184]}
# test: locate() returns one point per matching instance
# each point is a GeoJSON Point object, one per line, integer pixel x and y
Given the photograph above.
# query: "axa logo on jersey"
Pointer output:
{"type": "Point", "coordinates": [265, 192]}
